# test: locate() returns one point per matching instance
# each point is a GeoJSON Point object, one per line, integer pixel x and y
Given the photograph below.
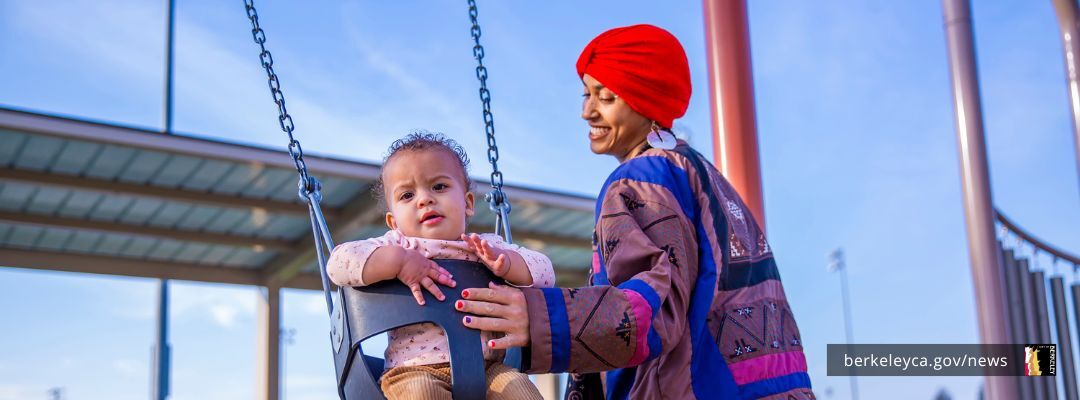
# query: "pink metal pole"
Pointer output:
{"type": "Point", "coordinates": [974, 174]}
{"type": "Point", "coordinates": [1068, 14]}
{"type": "Point", "coordinates": [731, 98]}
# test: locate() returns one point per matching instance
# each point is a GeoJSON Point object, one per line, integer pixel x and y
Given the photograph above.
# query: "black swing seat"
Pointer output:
{"type": "Point", "coordinates": [383, 306]}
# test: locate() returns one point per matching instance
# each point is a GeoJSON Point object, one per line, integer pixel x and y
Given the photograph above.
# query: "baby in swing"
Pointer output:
{"type": "Point", "coordinates": [426, 188]}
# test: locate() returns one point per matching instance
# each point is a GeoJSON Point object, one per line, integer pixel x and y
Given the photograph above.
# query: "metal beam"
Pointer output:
{"type": "Point", "coordinates": [1041, 245]}
{"type": "Point", "coordinates": [167, 193]}
{"type": "Point", "coordinates": [107, 265]}
{"type": "Point", "coordinates": [521, 236]}
{"type": "Point", "coordinates": [306, 281]}
{"type": "Point", "coordinates": [360, 211]}
{"type": "Point", "coordinates": [256, 244]}
{"type": "Point", "coordinates": [550, 198]}
{"type": "Point", "coordinates": [69, 128]}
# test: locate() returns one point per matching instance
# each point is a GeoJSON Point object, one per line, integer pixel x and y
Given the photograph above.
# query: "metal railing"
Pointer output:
{"type": "Point", "coordinates": [1035, 318]}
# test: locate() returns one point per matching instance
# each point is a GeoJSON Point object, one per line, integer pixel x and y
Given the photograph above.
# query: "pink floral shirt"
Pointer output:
{"type": "Point", "coordinates": [425, 344]}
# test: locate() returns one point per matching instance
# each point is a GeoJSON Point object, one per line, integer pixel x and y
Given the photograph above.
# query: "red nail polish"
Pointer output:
{"type": "Point", "coordinates": [465, 293]}
{"type": "Point", "coordinates": [491, 343]}
{"type": "Point", "coordinates": [459, 305]}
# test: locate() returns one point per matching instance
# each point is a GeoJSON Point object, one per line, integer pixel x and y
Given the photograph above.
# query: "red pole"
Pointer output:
{"type": "Point", "coordinates": [731, 99]}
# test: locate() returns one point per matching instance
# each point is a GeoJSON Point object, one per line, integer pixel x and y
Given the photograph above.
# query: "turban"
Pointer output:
{"type": "Point", "coordinates": [645, 66]}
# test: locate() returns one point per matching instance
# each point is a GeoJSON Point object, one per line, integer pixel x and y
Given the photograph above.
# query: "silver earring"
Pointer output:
{"type": "Point", "coordinates": [660, 139]}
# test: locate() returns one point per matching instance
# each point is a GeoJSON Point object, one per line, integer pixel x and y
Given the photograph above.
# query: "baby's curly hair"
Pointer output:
{"type": "Point", "coordinates": [422, 140]}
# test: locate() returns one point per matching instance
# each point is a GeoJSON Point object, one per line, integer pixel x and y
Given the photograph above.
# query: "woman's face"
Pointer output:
{"type": "Point", "coordinates": [615, 128]}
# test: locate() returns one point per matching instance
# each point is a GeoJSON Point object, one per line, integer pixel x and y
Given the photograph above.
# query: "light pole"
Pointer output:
{"type": "Point", "coordinates": [836, 263]}
{"type": "Point", "coordinates": [287, 338]}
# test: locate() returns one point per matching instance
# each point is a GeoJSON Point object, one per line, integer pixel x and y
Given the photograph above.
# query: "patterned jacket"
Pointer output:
{"type": "Point", "coordinates": [685, 299]}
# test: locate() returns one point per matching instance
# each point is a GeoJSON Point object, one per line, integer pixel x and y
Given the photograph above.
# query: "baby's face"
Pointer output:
{"type": "Point", "coordinates": [426, 193]}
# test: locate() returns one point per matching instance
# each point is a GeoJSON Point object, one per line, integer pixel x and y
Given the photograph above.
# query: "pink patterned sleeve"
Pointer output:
{"type": "Point", "coordinates": [346, 264]}
{"type": "Point", "coordinates": [543, 274]}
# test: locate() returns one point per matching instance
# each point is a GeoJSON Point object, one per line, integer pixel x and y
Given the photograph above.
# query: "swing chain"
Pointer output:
{"type": "Point", "coordinates": [308, 185]}
{"type": "Point", "coordinates": [497, 198]}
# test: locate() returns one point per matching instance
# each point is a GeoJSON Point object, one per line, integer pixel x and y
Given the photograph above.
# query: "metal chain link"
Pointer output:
{"type": "Point", "coordinates": [307, 186]}
{"type": "Point", "coordinates": [497, 198]}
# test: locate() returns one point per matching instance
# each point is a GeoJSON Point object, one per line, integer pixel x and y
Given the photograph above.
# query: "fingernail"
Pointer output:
{"type": "Point", "coordinates": [491, 343]}
{"type": "Point", "coordinates": [459, 305]}
{"type": "Point", "coordinates": [468, 320]}
{"type": "Point", "coordinates": [465, 293]}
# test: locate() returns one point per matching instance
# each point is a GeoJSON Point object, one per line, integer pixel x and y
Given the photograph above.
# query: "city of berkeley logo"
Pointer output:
{"type": "Point", "coordinates": [1040, 360]}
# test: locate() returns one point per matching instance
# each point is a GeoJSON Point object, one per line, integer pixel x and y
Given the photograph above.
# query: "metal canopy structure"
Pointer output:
{"type": "Point", "coordinates": [90, 197]}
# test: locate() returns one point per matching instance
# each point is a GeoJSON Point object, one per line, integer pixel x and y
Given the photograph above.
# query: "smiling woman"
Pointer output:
{"type": "Point", "coordinates": [685, 299]}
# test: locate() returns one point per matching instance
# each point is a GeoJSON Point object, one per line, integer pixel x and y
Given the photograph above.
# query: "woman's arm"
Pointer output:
{"type": "Point", "coordinates": [648, 246]}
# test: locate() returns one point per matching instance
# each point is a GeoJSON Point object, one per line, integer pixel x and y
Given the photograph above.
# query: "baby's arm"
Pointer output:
{"type": "Point", "coordinates": [364, 262]}
{"type": "Point", "coordinates": [348, 261]}
{"type": "Point", "coordinates": [517, 265]}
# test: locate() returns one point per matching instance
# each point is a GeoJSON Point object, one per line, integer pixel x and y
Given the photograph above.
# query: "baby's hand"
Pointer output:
{"type": "Point", "coordinates": [497, 260]}
{"type": "Point", "coordinates": [417, 270]}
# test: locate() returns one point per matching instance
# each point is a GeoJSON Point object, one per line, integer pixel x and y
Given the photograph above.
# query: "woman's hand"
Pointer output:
{"type": "Point", "coordinates": [498, 309]}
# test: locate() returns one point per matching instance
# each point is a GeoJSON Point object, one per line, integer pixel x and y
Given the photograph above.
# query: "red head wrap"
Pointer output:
{"type": "Point", "coordinates": [645, 66]}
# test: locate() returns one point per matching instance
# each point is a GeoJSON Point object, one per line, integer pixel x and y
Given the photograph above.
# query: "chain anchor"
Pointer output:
{"type": "Point", "coordinates": [497, 200]}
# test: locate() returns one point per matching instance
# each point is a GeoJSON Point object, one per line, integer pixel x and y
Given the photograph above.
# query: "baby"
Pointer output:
{"type": "Point", "coordinates": [425, 185]}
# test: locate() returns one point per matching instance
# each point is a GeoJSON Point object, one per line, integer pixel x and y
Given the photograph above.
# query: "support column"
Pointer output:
{"type": "Point", "coordinates": [1017, 315]}
{"type": "Point", "coordinates": [731, 100]}
{"type": "Point", "coordinates": [268, 352]}
{"type": "Point", "coordinates": [1067, 372]}
{"type": "Point", "coordinates": [162, 350]}
{"type": "Point", "coordinates": [548, 384]}
{"type": "Point", "coordinates": [974, 173]}
{"type": "Point", "coordinates": [1038, 278]}
{"type": "Point", "coordinates": [1068, 14]}
{"type": "Point", "coordinates": [167, 107]}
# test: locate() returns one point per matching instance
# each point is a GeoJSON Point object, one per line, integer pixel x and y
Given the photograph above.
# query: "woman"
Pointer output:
{"type": "Point", "coordinates": [685, 300]}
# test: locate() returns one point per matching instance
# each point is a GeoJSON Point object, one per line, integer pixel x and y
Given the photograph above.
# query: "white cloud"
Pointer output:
{"type": "Point", "coordinates": [224, 305]}
{"type": "Point", "coordinates": [300, 382]}
{"type": "Point", "coordinates": [99, 32]}
{"type": "Point", "coordinates": [15, 391]}
{"type": "Point", "coordinates": [128, 368]}
{"type": "Point", "coordinates": [315, 305]}
{"type": "Point", "coordinates": [224, 315]}
{"type": "Point", "coordinates": [68, 363]}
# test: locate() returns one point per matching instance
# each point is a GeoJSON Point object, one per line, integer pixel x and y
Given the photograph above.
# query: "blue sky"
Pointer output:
{"type": "Point", "coordinates": [855, 122]}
